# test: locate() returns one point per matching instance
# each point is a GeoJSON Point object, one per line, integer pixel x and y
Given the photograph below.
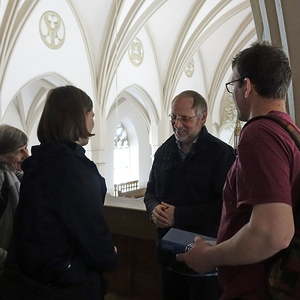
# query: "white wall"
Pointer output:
{"type": "Point", "coordinates": [31, 57]}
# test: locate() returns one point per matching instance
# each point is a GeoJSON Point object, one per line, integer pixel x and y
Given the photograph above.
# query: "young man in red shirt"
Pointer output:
{"type": "Point", "coordinates": [263, 183]}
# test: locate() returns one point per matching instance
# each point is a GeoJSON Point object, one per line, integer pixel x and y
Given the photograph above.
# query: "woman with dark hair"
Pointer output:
{"type": "Point", "coordinates": [61, 241]}
{"type": "Point", "coordinates": [13, 150]}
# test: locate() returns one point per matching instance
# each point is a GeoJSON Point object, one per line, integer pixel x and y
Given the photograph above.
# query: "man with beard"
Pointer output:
{"type": "Point", "coordinates": [185, 189]}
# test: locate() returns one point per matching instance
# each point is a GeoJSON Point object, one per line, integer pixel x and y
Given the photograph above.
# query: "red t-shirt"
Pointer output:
{"type": "Point", "coordinates": [266, 170]}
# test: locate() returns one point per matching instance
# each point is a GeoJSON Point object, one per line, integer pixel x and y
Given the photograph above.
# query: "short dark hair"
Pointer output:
{"type": "Point", "coordinates": [199, 103]}
{"type": "Point", "coordinates": [11, 138]}
{"type": "Point", "coordinates": [63, 117]}
{"type": "Point", "coordinates": [267, 67]}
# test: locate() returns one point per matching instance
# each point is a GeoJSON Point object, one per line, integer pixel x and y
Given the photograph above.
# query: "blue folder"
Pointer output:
{"type": "Point", "coordinates": [177, 241]}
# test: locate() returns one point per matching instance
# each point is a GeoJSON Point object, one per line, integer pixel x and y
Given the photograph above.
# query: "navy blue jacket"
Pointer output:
{"type": "Point", "coordinates": [60, 234]}
{"type": "Point", "coordinates": [193, 185]}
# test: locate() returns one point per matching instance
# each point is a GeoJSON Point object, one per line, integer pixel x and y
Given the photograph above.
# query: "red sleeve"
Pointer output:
{"type": "Point", "coordinates": [264, 159]}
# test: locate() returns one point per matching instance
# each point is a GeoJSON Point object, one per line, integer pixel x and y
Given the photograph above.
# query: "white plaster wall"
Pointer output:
{"type": "Point", "coordinates": [215, 44]}
{"type": "Point", "coordinates": [195, 82]}
{"type": "Point", "coordinates": [31, 58]}
{"type": "Point", "coordinates": [12, 117]}
{"type": "Point", "coordinates": [145, 75]}
{"type": "Point", "coordinates": [32, 137]}
{"type": "Point", "coordinates": [2, 9]}
{"type": "Point", "coordinates": [216, 112]}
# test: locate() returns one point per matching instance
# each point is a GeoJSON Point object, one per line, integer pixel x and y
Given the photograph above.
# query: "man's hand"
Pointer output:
{"type": "Point", "coordinates": [170, 212]}
{"type": "Point", "coordinates": [159, 216]}
{"type": "Point", "coordinates": [197, 258]}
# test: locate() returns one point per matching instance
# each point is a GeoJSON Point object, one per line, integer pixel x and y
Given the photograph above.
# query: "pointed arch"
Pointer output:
{"type": "Point", "coordinates": [201, 33]}
{"type": "Point", "coordinates": [39, 85]}
{"type": "Point", "coordinates": [115, 51]}
{"type": "Point", "coordinates": [142, 98]}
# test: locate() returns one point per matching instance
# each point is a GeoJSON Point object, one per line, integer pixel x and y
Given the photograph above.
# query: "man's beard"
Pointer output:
{"type": "Point", "coordinates": [180, 135]}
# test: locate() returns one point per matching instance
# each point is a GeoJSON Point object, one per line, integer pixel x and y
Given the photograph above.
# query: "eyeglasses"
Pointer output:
{"type": "Point", "coordinates": [230, 86]}
{"type": "Point", "coordinates": [184, 119]}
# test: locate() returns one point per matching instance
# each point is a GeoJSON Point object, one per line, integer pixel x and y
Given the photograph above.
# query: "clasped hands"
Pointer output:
{"type": "Point", "coordinates": [163, 215]}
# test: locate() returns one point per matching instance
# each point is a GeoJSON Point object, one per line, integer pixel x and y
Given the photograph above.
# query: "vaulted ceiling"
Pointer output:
{"type": "Point", "coordinates": [196, 36]}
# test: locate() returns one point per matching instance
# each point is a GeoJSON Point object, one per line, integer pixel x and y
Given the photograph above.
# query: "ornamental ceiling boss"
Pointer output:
{"type": "Point", "coordinates": [52, 29]}
{"type": "Point", "coordinates": [136, 52]}
{"type": "Point", "coordinates": [189, 68]}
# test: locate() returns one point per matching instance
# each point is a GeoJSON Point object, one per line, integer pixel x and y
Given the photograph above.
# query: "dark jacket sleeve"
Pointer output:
{"type": "Point", "coordinates": [206, 215]}
{"type": "Point", "coordinates": [82, 213]}
{"type": "Point", "coordinates": [3, 252]}
{"type": "Point", "coordinates": [150, 197]}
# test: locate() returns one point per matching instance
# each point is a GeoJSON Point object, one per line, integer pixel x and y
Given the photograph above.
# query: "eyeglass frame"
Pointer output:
{"type": "Point", "coordinates": [231, 82]}
{"type": "Point", "coordinates": [184, 119]}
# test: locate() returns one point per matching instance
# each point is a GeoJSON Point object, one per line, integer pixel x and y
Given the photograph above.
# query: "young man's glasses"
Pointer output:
{"type": "Point", "coordinates": [230, 85]}
{"type": "Point", "coordinates": [185, 119]}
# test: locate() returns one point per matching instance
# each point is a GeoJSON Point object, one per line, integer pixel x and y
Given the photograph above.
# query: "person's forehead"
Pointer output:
{"type": "Point", "coordinates": [183, 102]}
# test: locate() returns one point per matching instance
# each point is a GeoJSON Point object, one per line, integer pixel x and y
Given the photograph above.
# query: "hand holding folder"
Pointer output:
{"type": "Point", "coordinates": [176, 242]}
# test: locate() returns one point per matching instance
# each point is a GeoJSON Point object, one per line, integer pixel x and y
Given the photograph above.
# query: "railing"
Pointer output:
{"type": "Point", "coordinates": [138, 193]}
{"type": "Point", "coordinates": [121, 188]}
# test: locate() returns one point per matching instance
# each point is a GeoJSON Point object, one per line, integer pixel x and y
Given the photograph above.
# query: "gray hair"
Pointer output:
{"type": "Point", "coordinates": [199, 103]}
{"type": "Point", "coordinates": [11, 139]}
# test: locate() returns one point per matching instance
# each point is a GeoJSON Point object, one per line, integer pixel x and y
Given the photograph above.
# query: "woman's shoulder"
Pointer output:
{"type": "Point", "coordinates": [55, 152]}
{"type": "Point", "coordinates": [9, 179]}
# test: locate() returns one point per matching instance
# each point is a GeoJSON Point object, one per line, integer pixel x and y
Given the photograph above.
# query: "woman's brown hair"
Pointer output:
{"type": "Point", "coordinates": [63, 117]}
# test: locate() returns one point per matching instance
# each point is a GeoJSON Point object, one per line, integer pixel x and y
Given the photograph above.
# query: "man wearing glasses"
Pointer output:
{"type": "Point", "coordinates": [185, 189]}
{"type": "Point", "coordinates": [263, 183]}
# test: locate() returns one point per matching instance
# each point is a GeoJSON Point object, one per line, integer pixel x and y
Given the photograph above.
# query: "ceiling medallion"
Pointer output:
{"type": "Point", "coordinates": [136, 52]}
{"type": "Point", "coordinates": [52, 29]}
{"type": "Point", "coordinates": [189, 68]}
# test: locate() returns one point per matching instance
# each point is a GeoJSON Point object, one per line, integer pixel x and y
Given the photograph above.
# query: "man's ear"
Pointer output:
{"type": "Point", "coordinates": [248, 88]}
{"type": "Point", "coordinates": [204, 116]}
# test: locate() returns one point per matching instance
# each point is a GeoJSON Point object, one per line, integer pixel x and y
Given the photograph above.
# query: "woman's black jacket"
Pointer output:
{"type": "Point", "coordinates": [60, 236]}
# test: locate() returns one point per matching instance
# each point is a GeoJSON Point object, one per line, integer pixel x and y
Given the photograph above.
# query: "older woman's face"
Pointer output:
{"type": "Point", "coordinates": [15, 159]}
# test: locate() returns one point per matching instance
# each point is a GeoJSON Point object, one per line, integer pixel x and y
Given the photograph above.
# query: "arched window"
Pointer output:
{"type": "Point", "coordinates": [122, 171]}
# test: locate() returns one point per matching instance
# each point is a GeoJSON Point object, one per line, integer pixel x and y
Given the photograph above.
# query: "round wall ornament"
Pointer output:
{"type": "Point", "coordinates": [136, 52]}
{"type": "Point", "coordinates": [52, 29]}
{"type": "Point", "coordinates": [189, 68]}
